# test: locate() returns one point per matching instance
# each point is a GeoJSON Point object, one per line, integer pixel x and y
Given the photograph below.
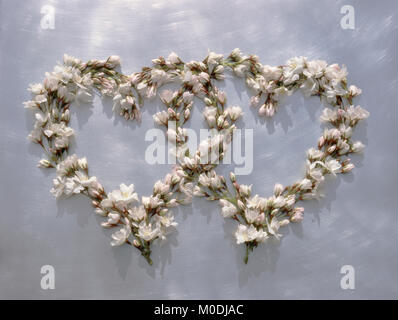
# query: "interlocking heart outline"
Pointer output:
{"type": "Point", "coordinates": [143, 221]}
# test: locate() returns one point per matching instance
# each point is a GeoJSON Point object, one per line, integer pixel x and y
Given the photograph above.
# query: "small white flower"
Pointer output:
{"type": "Point", "coordinates": [236, 54]}
{"type": "Point", "coordinates": [121, 198]}
{"type": "Point", "coordinates": [328, 115]}
{"type": "Point", "coordinates": [271, 73]}
{"type": "Point", "coordinates": [356, 113]}
{"type": "Point", "coordinates": [187, 97]}
{"type": "Point", "coordinates": [210, 116]}
{"type": "Point", "coordinates": [214, 58]}
{"type": "Point", "coordinates": [234, 112]}
{"type": "Point", "coordinates": [173, 58]}
{"type": "Point", "coordinates": [314, 154]}
{"type": "Point", "coordinates": [240, 70]}
{"type": "Point", "coordinates": [166, 96]}
{"type": "Point", "coordinates": [251, 215]}
{"type": "Point", "coordinates": [357, 147]}
{"type": "Point", "coordinates": [297, 215]}
{"type": "Point", "coordinates": [121, 236]}
{"type": "Point", "coordinates": [332, 165]}
{"type": "Point", "coordinates": [161, 117]}
{"type": "Point", "coordinates": [354, 91]}
{"type": "Point", "coordinates": [151, 202]}
{"type": "Point", "coordinates": [44, 163]}
{"type": "Point", "coordinates": [61, 134]}
{"type": "Point", "coordinates": [228, 209]}
{"type": "Point", "coordinates": [245, 190]}
{"type": "Point", "coordinates": [137, 213]}
{"type": "Point", "coordinates": [334, 72]}
{"type": "Point", "coordinates": [161, 188]}
{"type": "Point", "coordinates": [314, 172]}
{"type": "Point", "coordinates": [68, 166]}
{"type": "Point", "coordinates": [36, 88]}
{"type": "Point", "coordinates": [159, 76]}
{"type": "Point", "coordinates": [279, 202]}
{"type": "Point", "coordinates": [171, 135]}
{"type": "Point", "coordinates": [305, 184]}
{"type": "Point", "coordinates": [72, 186]}
{"type": "Point", "coordinates": [278, 189]}
{"type": "Point", "coordinates": [84, 95]}
{"type": "Point", "coordinates": [315, 68]}
{"type": "Point", "coordinates": [273, 227]}
{"type": "Point", "coordinates": [166, 220]}
{"type": "Point", "coordinates": [113, 61]}
{"type": "Point", "coordinates": [58, 187]}
{"type": "Point", "coordinates": [245, 234]}
{"type": "Point", "coordinates": [146, 232]}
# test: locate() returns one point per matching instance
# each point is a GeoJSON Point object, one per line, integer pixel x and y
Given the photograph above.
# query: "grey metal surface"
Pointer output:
{"type": "Point", "coordinates": [356, 223]}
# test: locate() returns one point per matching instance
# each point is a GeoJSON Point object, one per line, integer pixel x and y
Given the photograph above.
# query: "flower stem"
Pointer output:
{"type": "Point", "coordinates": [246, 258]}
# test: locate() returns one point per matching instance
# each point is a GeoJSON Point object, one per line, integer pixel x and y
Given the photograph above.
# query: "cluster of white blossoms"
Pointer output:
{"type": "Point", "coordinates": [260, 218]}
{"type": "Point", "coordinates": [142, 220]}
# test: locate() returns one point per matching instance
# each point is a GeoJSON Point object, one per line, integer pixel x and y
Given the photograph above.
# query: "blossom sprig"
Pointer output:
{"type": "Point", "coordinates": [142, 221]}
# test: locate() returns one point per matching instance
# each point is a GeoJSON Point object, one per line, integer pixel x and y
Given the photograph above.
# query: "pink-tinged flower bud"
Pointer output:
{"type": "Point", "coordinates": [321, 142]}
{"type": "Point", "coordinates": [332, 148]}
{"type": "Point", "coordinates": [222, 98]}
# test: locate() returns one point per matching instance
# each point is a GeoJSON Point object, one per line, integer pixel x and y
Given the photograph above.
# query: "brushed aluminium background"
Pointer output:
{"type": "Point", "coordinates": [355, 223]}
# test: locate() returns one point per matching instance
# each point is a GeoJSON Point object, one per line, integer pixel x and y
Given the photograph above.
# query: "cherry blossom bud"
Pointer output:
{"type": "Point", "coordinates": [222, 98]}
{"type": "Point", "coordinates": [278, 189]}
{"type": "Point", "coordinates": [284, 222]}
{"type": "Point", "coordinates": [187, 113]}
{"type": "Point", "coordinates": [321, 142]}
{"type": "Point", "coordinates": [347, 168]}
{"type": "Point", "coordinates": [354, 91]}
{"type": "Point", "coordinates": [241, 205]}
{"type": "Point", "coordinates": [43, 163]}
{"type": "Point", "coordinates": [332, 148]}
{"type": "Point", "coordinates": [245, 190]}
{"type": "Point", "coordinates": [100, 212]}
{"type": "Point", "coordinates": [136, 243]}
{"type": "Point", "coordinates": [173, 58]}
{"type": "Point", "coordinates": [113, 61]}
{"type": "Point", "coordinates": [65, 116]}
{"type": "Point", "coordinates": [83, 163]}
{"type": "Point", "coordinates": [236, 54]}
{"type": "Point", "coordinates": [208, 102]}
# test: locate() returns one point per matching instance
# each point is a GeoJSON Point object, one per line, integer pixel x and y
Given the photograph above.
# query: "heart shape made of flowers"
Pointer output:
{"type": "Point", "coordinates": [143, 221]}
